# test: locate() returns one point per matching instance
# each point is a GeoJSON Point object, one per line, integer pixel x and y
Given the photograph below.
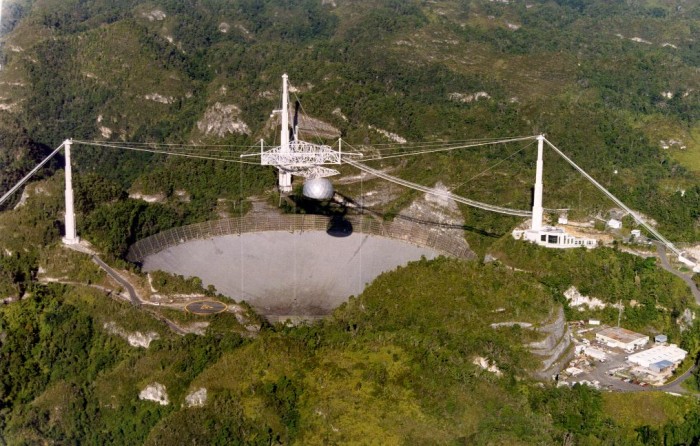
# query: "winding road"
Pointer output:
{"type": "Point", "coordinates": [665, 264]}
{"type": "Point", "coordinates": [675, 385]}
{"type": "Point", "coordinates": [135, 299]}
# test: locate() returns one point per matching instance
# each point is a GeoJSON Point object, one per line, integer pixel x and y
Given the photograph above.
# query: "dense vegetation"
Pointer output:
{"type": "Point", "coordinates": [395, 363]}
{"type": "Point", "coordinates": [377, 369]}
{"type": "Point", "coordinates": [607, 80]}
{"type": "Point", "coordinates": [56, 360]}
{"type": "Point", "coordinates": [653, 299]}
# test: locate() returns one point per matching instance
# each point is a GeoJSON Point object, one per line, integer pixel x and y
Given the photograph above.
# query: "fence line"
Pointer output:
{"type": "Point", "coordinates": [449, 242]}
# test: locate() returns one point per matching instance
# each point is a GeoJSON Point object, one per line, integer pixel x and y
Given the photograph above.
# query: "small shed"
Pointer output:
{"type": "Point", "coordinates": [614, 224]}
{"type": "Point", "coordinates": [660, 339]}
{"type": "Point", "coordinates": [594, 353]}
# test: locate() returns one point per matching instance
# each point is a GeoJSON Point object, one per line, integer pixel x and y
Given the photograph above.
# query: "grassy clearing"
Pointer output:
{"type": "Point", "coordinates": [663, 128]}
{"type": "Point", "coordinates": [655, 409]}
{"type": "Point", "coordinates": [63, 263]}
{"type": "Point", "coordinates": [690, 157]}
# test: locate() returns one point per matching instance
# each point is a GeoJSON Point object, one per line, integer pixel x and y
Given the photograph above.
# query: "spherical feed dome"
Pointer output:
{"type": "Point", "coordinates": [318, 189]}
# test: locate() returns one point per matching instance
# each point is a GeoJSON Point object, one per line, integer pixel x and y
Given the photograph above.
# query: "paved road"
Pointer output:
{"type": "Point", "coordinates": [686, 278]}
{"type": "Point", "coordinates": [135, 300]}
{"type": "Point", "coordinates": [172, 325]}
{"type": "Point", "coordinates": [675, 385]}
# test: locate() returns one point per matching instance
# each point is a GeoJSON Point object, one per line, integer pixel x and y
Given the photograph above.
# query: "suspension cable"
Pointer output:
{"type": "Point", "coordinates": [450, 148]}
{"type": "Point", "coordinates": [21, 182]}
{"type": "Point", "coordinates": [436, 192]}
{"type": "Point", "coordinates": [163, 152]}
{"type": "Point", "coordinates": [608, 194]}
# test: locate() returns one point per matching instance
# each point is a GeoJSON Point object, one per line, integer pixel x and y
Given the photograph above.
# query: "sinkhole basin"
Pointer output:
{"type": "Point", "coordinates": [282, 274]}
{"type": "Point", "coordinates": [292, 267]}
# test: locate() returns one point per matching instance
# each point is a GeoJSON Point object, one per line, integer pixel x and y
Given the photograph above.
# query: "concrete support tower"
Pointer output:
{"type": "Point", "coordinates": [285, 178]}
{"type": "Point", "coordinates": [71, 237]}
{"type": "Point", "coordinates": [537, 210]}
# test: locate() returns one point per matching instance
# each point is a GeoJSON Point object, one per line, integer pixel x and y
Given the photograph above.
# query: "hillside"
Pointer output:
{"type": "Point", "coordinates": [434, 352]}
{"type": "Point", "coordinates": [612, 83]}
{"type": "Point", "coordinates": [400, 362]}
{"type": "Point", "coordinates": [390, 365]}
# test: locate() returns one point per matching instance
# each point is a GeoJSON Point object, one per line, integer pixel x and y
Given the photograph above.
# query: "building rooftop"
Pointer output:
{"type": "Point", "coordinates": [663, 364]}
{"type": "Point", "coordinates": [621, 334]}
{"type": "Point", "coordinates": [658, 354]}
{"type": "Point", "coordinates": [660, 338]}
{"type": "Point", "coordinates": [552, 230]}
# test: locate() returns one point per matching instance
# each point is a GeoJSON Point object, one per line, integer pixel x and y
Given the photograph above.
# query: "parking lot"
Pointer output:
{"type": "Point", "coordinates": [606, 368]}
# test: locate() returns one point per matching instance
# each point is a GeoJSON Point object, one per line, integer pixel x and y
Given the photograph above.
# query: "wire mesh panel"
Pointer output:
{"type": "Point", "coordinates": [448, 242]}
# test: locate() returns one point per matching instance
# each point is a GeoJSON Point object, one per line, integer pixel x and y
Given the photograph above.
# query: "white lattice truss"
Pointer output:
{"type": "Point", "coordinates": [310, 172]}
{"type": "Point", "coordinates": [300, 154]}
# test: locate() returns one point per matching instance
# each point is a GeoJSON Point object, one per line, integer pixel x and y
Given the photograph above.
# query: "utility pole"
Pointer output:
{"type": "Point", "coordinates": [619, 313]}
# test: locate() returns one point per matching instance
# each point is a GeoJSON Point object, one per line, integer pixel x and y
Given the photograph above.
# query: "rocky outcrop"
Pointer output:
{"type": "Point", "coordinates": [154, 15]}
{"type": "Point", "coordinates": [686, 319]}
{"type": "Point", "coordinates": [576, 299]}
{"type": "Point", "coordinates": [157, 97]}
{"type": "Point", "coordinates": [487, 365]}
{"type": "Point", "coordinates": [155, 392]}
{"type": "Point", "coordinates": [389, 135]}
{"type": "Point", "coordinates": [197, 398]}
{"type": "Point", "coordinates": [157, 198]}
{"type": "Point", "coordinates": [468, 97]}
{"type": "Point", "coordinates": [220, 119]}
{"type": "Point", "coordinates": [511, 324]}
{"type": "Point", "coordinates": [135, 339]}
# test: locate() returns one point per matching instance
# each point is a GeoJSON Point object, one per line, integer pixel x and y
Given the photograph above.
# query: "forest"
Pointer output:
{"type": "Point", "coordinates": [617, 84]}
{"type": "Point", "coordinates": [374, 369]}
{"type": "Point", "coordinates": [607, 81]}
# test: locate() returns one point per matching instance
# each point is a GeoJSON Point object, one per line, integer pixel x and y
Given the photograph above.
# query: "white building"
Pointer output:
{"type": "Point", "coordinates": [618, 337]}
{"type": "Point", "coordinates": [551, 237]}
{"type": "Point", "coordinates": [595, 353]}
{"type": "Point", "coordinates": [654, 358]}
{"type": "Point", "coordinates": [614, 224]}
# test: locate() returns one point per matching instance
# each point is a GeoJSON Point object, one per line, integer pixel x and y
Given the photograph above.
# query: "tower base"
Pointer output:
{"type": "Point", "coordinates": [551, 237]}
{"type": "Point", "coordinates": [71, 240]}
